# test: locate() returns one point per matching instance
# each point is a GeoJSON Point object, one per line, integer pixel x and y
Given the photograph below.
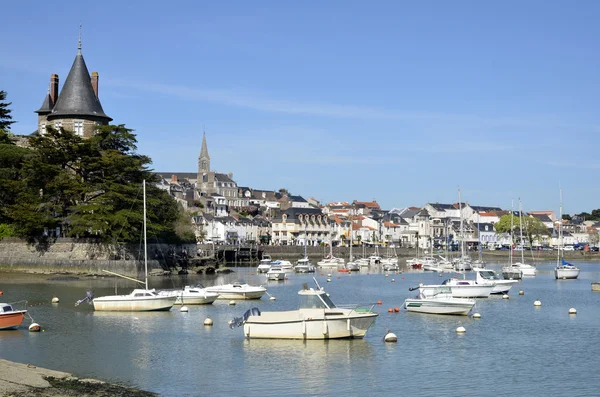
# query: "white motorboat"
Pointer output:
{"type": "Point", "coordinates": [191, 295]}
{"type": "Point", "coordinates": [264, 265]}
{"type": "Point", "coordinates": [238, 290]}
{"type": "Point", "coordinates": [331, 262]}
{"type": "Point", "coordinates": [138, 300]}
{"type": "Point", "coordinates": [489, 277]}
{"type": "Point", "coordinates": [276, 273]}
{"type": "Point", "coordinates": [512, 272]}
{"type": "Point", "coordinates": [353, 266]}
{"type": "Point", "coordinates": [316, 318]}
{"type": "Point", "coordinates": [391, 267]}
{"type": "Point", "coordinates": [526, 270]}
{"type": "Point", "coordinates": [286, 266]}
{"type": "Point", "coordinates": [566, 271]}
{"type": "Point", "coordinates": [440, 301]}
{"type": "Point", "coordinates": [463, 288]}
{"type": "Point", "coordinates": [304, 266]}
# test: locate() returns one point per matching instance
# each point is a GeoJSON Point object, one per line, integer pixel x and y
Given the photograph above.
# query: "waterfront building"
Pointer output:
{"type": "Point", "coordinates": [301, 226]}
{"type": "Point", "coordinates": [77, 108]}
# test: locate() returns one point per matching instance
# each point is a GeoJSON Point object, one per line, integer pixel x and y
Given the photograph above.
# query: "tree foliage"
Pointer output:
{"type": "Point", "coordinates": [532, 227]}
{"type": "Point", "coordinates": [5, 119]}
{"type": "Point", "coordinates": [86, 187]}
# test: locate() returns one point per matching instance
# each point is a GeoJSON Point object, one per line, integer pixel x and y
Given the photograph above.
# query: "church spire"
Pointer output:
{"type": "Point", "coordinates": [79, 42]}
{"type": "Point", "coordinates": [204, 158]}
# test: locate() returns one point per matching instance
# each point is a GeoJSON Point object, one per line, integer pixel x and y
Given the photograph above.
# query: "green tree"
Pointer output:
{"type": "Point", "coordinates": [532, 227]}
{"type": "Point", "coordinates": [90, 188]}
{"type": "Point", "coordinates": [5, 119]}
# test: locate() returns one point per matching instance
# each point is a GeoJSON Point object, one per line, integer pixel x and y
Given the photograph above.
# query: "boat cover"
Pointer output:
{"type": "Point", "coordinates": [239, 321]}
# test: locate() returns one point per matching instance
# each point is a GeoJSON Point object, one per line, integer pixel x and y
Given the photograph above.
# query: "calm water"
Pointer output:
{"type": "Point", "coordinates": [514, 349]}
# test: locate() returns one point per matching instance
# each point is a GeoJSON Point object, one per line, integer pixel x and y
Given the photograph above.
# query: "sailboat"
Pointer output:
{"type": "Point", "coordinates": [464, 262]}
{"type": "Point", "coordinates": [479, 264]}
{"type": "Point", "coordinates": [303, 265]}
{"type": "Point", "coordinates": [526, 270]}
{"type": "Point", "coordinates": [510, 271]}
{"type": "Point", "coordinates": [139, 300]}
{"type": "Point", "coordinates": [331, 261]}
{"type": "Point", "coordinates": [564, 269]}
{"type": "Point", "coordinates": [351, 265]}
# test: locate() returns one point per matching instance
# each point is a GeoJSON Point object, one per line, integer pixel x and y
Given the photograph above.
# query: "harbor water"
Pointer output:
{"type": "Point", "coordinates": [513, 349]}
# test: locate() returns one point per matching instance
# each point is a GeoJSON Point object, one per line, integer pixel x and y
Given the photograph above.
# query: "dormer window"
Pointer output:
{"type": "Point", "coordinates": [43, 128]}
{"type": "Point", "coordinates": [58, 124]}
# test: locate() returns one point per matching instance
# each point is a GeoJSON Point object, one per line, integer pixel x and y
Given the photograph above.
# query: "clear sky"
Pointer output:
{"type": "Point", "coordinates": [398, 101]}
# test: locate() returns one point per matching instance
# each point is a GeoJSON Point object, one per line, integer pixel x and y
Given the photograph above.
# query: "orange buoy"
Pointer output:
{"type": "Point", "coordinates": [402, 277]}
{"type": "Point", "coordinates": [1, 293]}
{"type": "Point", "coordinates": [390, 310]}
{"type": "Point", "coordinates": [379, 302]}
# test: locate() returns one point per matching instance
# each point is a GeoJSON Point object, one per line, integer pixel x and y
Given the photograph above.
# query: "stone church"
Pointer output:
{"type": "Point", "coordinates": [77, 108]}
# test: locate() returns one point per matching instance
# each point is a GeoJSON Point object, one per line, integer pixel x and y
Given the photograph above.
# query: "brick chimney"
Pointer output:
{"type": "Point", "coordinates": [54, 88]}
{"type": "Point", "coordinates": [94, 79]}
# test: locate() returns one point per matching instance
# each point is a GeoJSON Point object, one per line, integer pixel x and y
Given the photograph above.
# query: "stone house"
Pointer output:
{"type": "Point", "coordinates": [301, 226]}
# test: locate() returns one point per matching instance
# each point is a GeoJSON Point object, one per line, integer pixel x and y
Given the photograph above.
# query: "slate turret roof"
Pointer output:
{"type": "Point", "coordinates": [77, 97]}
{"type": "Point", "coordinates": [46, 106]}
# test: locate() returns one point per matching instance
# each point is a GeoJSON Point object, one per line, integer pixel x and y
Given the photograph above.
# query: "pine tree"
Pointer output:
{"type": "Point", "coordinates": [5, 119]}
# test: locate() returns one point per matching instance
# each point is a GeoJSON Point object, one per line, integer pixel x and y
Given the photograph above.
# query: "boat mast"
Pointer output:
{"type": "Point", "coordinates": [462, 243]}
{"type": "Point", "coordinates": [521, 233]}
{"type": "Point", "coordinates": [351, 229]}
{"type": "Point", "coordinates": [145, 245]}
{"type": "Point", "coordinates": [559, 231]}
{"type": "Point", "coordinates": [512, 217]}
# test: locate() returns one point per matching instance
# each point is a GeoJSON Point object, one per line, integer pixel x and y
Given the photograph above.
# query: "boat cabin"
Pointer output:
{"type": "Point", "coordinates": [6, 308]}
{"type": "Point", "coordinates": [315, 299]}
{"type": "Point", "coordinates": [488, 275]}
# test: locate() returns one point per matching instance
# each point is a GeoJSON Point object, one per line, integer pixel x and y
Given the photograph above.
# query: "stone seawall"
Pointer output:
{"type": "Point", "coordinates": [85, 257]}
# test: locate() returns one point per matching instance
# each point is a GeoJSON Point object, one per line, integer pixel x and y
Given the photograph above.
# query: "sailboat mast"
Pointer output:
{"type": "Point", "coordinates": [462, 243]}
{"type": "Point", "coordinates": [521, 232]}
{"type": "Point", "coordinates": [512, 217]}
{"type": "Point", "coordinates": [559, 231]}
{"type": "Point", "coordinates": [145, 245]}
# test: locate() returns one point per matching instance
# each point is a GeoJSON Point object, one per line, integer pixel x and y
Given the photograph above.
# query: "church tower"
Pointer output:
{"type": "Point", "coordinates": [206, 177]}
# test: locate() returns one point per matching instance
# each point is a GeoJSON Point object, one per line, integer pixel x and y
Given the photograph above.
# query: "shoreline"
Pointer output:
{"type": "Point", "coordinates": [21, 380]}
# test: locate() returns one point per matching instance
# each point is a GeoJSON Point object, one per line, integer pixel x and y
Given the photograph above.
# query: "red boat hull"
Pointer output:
{"type": "Point", "coordinates": [12, 320]}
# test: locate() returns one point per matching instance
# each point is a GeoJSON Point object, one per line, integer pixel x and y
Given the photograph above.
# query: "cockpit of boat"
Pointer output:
{"type": "Point", "coordinates": [314, 299]}
{"type": "Point", "coordinates": [488, 275]}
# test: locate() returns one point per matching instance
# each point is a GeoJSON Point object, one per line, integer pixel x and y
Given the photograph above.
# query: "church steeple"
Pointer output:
{"type": "Point", "coordinates": [204, 158]}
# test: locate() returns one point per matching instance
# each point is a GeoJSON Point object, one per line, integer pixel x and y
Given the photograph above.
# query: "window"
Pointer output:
{"type": "Point", "coordinates": [43, 128]}
{"type": "Point", "coordinates": [58, 124]}
{"type": "Point", "coordinates": [78, 127]}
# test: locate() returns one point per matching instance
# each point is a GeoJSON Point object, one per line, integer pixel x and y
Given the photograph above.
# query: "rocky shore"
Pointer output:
{"type": "Point", "coordinates": [26, 380]}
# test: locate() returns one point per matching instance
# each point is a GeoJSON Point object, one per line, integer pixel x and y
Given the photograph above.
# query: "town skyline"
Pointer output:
{"type": "Point", "coordinates": [499, 101]}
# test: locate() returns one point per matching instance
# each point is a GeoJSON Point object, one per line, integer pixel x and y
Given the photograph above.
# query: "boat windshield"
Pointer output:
{"type": "Point", "coordinates": [6, 308]}
{"type": "Point", "coordinates": [320, 301]}
{"type": "Point", "coordinates": [488, 275]}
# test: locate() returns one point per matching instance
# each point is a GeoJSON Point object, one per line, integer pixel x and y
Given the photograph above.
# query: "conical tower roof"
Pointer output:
{"type": "Point", "coordinates": [46, 106]}
{"type": "Point", "coordinates": [204, 149]}
{"type": "Point", "coordinates": [77, 97]}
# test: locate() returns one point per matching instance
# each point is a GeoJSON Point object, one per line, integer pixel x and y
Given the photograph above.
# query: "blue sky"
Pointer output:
{"type": "Point", "coordinates": [402, 102]}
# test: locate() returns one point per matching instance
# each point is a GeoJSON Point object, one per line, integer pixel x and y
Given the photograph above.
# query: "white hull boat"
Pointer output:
{"type": "Point", "coordinates": [489, 277]}
{"type": "Point", "coordinates": [331, 262]}
{"type": "Point", "coordinates": [139, 300]}
{"type": "Point", "coordinates": [317, 318]}
{"type": "Point", "coordinates": [440, 302]}
{"type": "Point", "coordinates": [304, 266]}
{"type": "Point", "coordinates": [511, 272]}
{"type": "Point", "coordinates": [353, 266]}
{"type": "Point", "coordinates": [526, 270]}
{"type": "Point", "coordinates": [264, 265]}
{"type": "Point", "coordinates": [566, 271]}
{"type": "Point", "coordinates": [276, 273]}
{"type": "Point", "coordinates": [238, 291]}
{"type": "Point", "coordinates": [191, 295]}
{"type": "Point", "coordinates": [459, 288]}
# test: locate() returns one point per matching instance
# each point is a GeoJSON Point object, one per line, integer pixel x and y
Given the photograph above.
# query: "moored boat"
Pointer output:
{"type": "Point", "coordinates": [316, 318]}
{"type": "Point", "coordinates": [276, 273]}
{"type": "Point", "coordinates": [440, 301]}
{"type": "Point", "coordinates": [191, 295]}
{"type": "Point", "coordinates": [238, 290]}
{"type": "Point", "coordinates": [10, 318]}
{"type": "Point", "coordinates": [489, 277]}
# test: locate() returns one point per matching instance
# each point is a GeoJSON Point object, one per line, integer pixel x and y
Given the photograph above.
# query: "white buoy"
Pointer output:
{"type": "Point", "coordinates": [272, 298]}
{"type": "Point", "coordinates": [328, 274]}
{"type": "Point", "coordinates": [183, 309]}
{"type": "Point", "coordinates": [440, 274]}
{"type": "Point", "coordinates": [34, 327]}
{"type": "Point", "coordinates": [461, 330]}
{"type": "Point", "coordinates": [572, 311]}
{"type": "Point", "coordinates": [208, 321]}
{"type": "Point", "coordinates": [393, 280]}
{"type": "Point", "coordinates": [390, 337]}
{"type": "Point", "coordinates": [55, 299]}
{"type": "Point", "coordinates": [521, 292]}
{"type": "Point", "coordinates": [232, 303]}
{"type": "Point", "coordinates": [386, 275]}
{"type": "Point", "coordinates": [505, 296]}
{"type": "Point", "coordinates": [328, 280]}
{"type": "Point", "coordinates": [537, 303]}
{"type": "Point", "coordinates": [476, 315]}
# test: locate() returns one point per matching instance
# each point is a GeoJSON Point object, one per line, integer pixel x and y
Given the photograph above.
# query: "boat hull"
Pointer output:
{"type": "Point", "coordinates": [563, 273]}
{"type": "Point", "coordinates": [12, 320]}
{"type": "Point", "coordinates": [512, 274]}
{"type": "Point", "coordinates": [292, 325]}
{"type": "Point", "coordinates": [503, 286]}
{"type": "Point", "coordinates": [279, 276]}
{"type": "Point", "coordinates": [130, 304]}
{"type": "Point", "coordinates": [459, 291]}
{"type": "Point", "coordinates": [453, 306]}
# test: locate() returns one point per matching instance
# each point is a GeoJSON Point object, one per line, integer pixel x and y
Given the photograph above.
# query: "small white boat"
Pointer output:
{"type": "Point", "coordinates": [440, 301]}
{"type": "Point", "coordinates": [304, 266]}
{"type": "Point", "coordinates": [139, 300]}
{"type": "Point", "coordinates": [286, 266]}
{"type": "Point", "coordinates": [276, 273]}
{"type": "Point", "coordinates": [390, 267]}
{"type": "Point", "coordinates": [264, 265]}
{"type": "Point", "coordinates": [566, 271]}
{"type": "Point", "coordinates": [526, 270]}
{"type": "Point", "coordinates": [238, 290]}
{"type": "Point", "coordinates": [316, 318]}
{"type": "Point", "coordinates": [331, 262]}
{"type": "Point", "coordinates": [512, 272]}
{"type": "Point", "coordinates": [462, 288]}
{"type": "Point", "coordinates": [191, 295]}
{"type": "Point", "coordinates": [489, 277]}
{"type": "Point", "coordinates": [353, 266]}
